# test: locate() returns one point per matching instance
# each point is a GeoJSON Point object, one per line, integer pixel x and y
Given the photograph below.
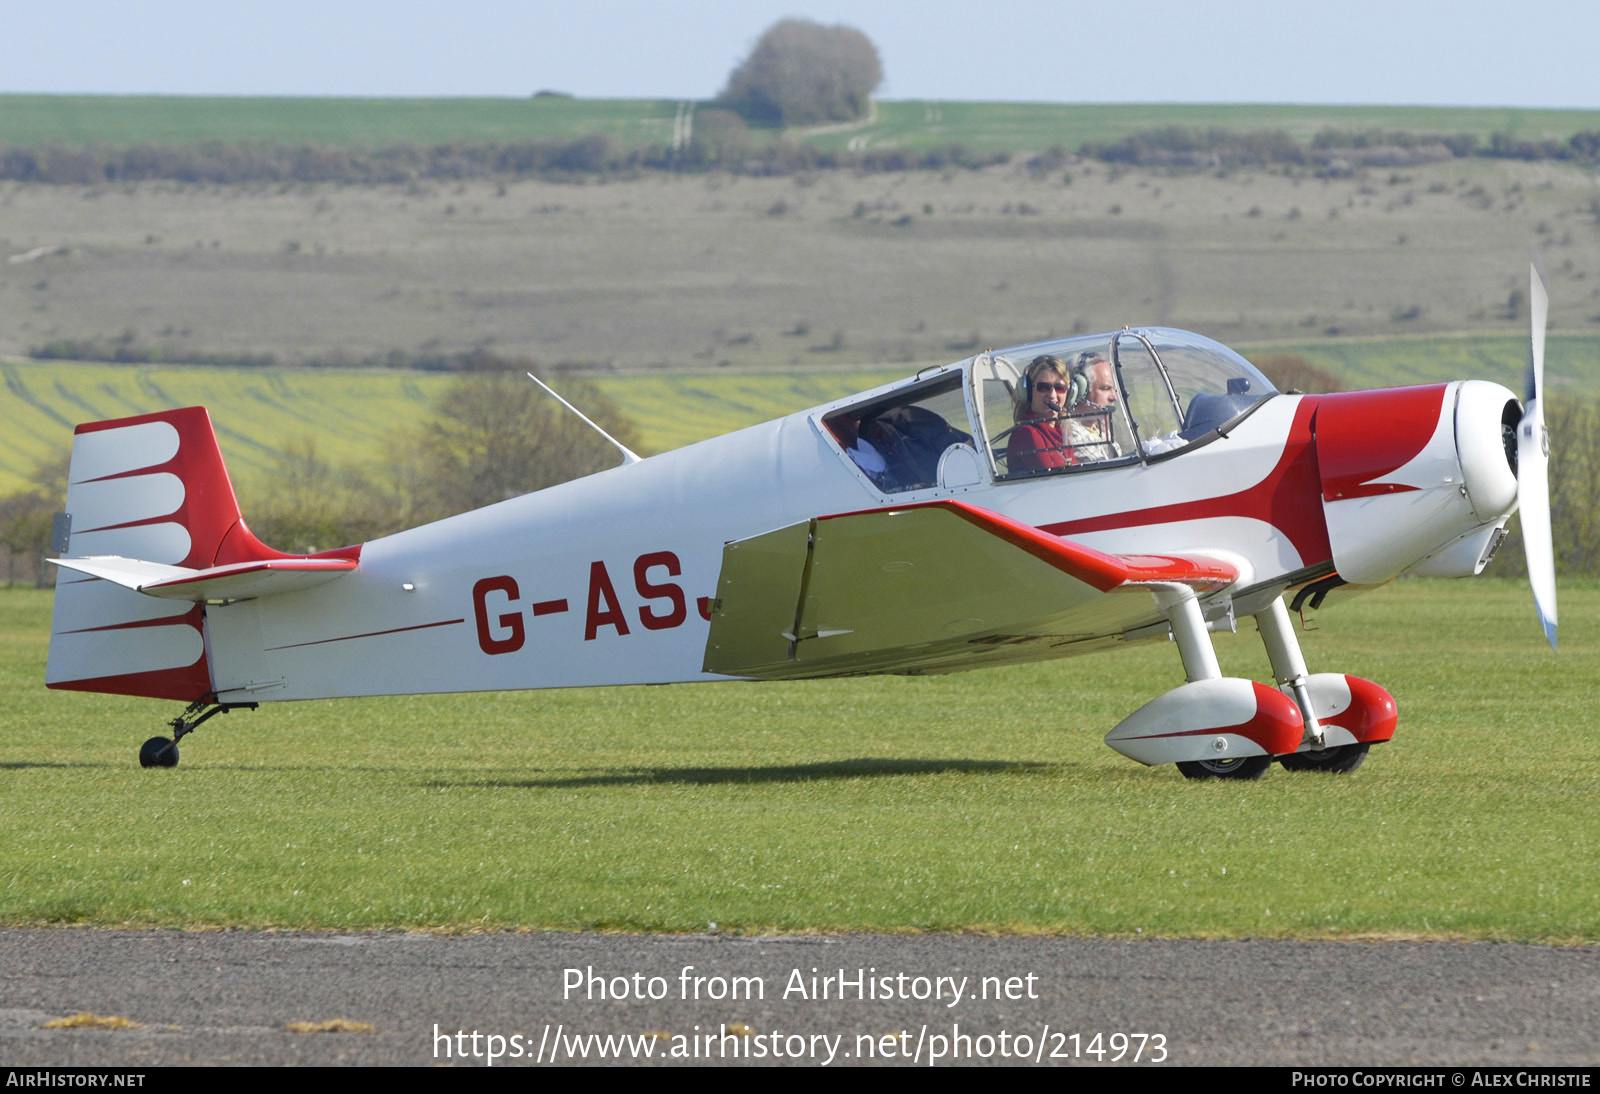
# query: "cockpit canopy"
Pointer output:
{"type": "Point", "coordinates": [1130, 396]}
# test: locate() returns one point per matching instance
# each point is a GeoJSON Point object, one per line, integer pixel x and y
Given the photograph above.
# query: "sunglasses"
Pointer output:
{"type": "Point", "coordinates": [1045, 385]}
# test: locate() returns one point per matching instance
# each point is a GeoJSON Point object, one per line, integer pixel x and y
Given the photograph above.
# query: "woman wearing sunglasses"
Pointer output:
{"type": "Point", "coordinates": [1037, 442]}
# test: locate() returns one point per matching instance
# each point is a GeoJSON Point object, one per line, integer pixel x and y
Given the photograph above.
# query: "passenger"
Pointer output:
{"type": "Point", "coordinates": [860, 450]}
{"type": "Point", "coordinates": [866, 457]}
{"type": "Point", "coordinates": [1089, 431]}
{"type": "Point", "coordinates": [1037, 442]}
{"type": "Point", "coordinates": [912, 439]}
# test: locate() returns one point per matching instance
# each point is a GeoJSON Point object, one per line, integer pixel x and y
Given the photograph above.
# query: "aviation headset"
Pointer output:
{"type": "Point", "coordinates": [1077, 381]}
{"type": "Point", "coordinates": [1080, 375]}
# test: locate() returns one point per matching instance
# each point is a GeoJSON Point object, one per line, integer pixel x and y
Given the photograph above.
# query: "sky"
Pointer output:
{"type": "Point", "coordinates": [1531, 53]}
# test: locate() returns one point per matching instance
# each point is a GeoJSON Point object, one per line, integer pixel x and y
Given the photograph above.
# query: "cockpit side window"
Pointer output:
{"type": "Point", "coordinates": [994, 394]}
{"type": "Point", "coordinates": [1074, 424]}
{"type": "Point", "coordinates": [898, 440]}
{"type": "Point", "coordinates": [1149, 400]}
{"type": "Point", "coordinates": [1183, 388]}
{"type": "Point", "coordinates": [1131, 396]}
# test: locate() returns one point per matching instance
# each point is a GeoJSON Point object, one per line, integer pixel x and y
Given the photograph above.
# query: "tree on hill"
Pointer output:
{"type": "Point", "coordinates": [27, 518]}
{"type": "Point", "coordinates": [495, 436]}
{"type": "Point", "coordinates": [720, 136]}
{"type": "Point", "coordinates": [802, 73]}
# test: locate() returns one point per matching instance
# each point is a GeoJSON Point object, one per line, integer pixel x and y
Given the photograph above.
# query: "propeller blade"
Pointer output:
{"type": "Point", "coordinates": [1533, 468]}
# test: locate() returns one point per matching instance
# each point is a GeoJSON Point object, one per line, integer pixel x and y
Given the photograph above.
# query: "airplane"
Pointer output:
{"type": "Point", "coordinates": [901, 530]}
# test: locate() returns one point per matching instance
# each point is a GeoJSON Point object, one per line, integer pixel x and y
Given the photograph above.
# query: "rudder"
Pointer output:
{"type": "Point", "coordinates": [151, 487]}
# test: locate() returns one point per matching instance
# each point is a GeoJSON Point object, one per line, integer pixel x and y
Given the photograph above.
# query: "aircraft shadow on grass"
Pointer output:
{"type": "Point", "coordinates": [862, 767]}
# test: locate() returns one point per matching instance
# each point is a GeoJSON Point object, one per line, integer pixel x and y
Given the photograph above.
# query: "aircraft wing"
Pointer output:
{"type": "Point", "coordinates": [934, 587]}
{"type": "Point", "coordinates": [236, 581]}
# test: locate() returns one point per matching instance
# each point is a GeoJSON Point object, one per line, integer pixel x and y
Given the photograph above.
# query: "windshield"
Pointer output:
{"type": "Point", "coordinates": [1108, 399]}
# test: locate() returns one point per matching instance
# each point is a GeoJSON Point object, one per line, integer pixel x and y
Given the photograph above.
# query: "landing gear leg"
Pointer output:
{"type": "Point", "coordinates": [1289, 669]}
{"type": "Point", "coordinates": [1182, 610]}
{"type": "Point", "coordinates": [163, 751]}
{"type": "Point", "coordinates": [1288, 665]}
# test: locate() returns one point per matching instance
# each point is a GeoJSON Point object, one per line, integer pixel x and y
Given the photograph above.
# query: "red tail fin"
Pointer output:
{"type": "Point", "coordinates": [152, 488]}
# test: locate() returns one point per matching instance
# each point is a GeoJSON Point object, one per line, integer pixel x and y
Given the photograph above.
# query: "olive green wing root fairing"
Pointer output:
{"type": "Point", "coordinates": [938, 587]}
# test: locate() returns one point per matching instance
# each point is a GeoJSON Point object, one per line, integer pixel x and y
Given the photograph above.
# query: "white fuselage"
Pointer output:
{"type": "Point", "coordinates": [605, 580]}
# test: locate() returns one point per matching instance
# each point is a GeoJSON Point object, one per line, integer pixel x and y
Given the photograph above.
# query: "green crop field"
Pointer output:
{"type": "Point", "coordinates": [1572, 362]}
{"type": "Point", "coordinates": [353, 415]}
{"type": "Point", "coordinates": [256, 413]}
{"type": "Point", "coordinates": [682, 408]}
{"type": "Point", "coordinates": [987, 127]}
{"type": "Point", "coordinates": [981, 801]}
{"type": "Point", "coordinates": [1013, 127]}
{"type": "Point", "coordinates": [121, 120]}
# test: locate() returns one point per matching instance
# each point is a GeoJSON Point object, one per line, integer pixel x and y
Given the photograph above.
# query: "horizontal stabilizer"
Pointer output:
{"type": "Point", "coordinates": [237, 581]}
{"type": "Point", "coordinates": [935, 587]}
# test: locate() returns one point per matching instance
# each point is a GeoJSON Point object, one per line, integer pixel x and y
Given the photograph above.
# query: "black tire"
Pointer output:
{"type": "Point", "coordinates": [1340, 760]}
{"type": "Point", "coordinates": [158, 752]}
{"type": "Point", "coordinates": [1247, 768]}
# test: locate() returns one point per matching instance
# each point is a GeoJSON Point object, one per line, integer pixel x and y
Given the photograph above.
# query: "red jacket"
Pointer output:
{"type": "Point", "coordinates": [1037, 444]}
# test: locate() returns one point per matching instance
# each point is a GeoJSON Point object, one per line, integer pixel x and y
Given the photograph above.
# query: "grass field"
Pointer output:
{"type": "Point", "coordinates": [987, 127]}
{"type": "Point", "coordinates": [982, 801]}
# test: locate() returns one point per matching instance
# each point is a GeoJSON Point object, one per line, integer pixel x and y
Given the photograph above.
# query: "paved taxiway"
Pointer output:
{"type": "Point", "coordinates": [228, 996]}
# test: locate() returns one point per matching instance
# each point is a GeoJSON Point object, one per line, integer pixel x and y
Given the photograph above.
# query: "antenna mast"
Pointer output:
{"type": "Point", "coordinates": [628, 455]}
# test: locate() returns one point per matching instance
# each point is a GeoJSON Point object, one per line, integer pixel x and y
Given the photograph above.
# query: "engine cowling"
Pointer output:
{"type": "Point", "coordinates": [1416, 478]}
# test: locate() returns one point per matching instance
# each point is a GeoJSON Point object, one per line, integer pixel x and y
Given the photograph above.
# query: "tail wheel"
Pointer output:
{"type": "Point", "coordinates": [162, 751]}
{"type": "Point", "coordinates": [1340, 760]}
{"type": "Point", "coordinates": [159, 752]}
{"type": "Point", "coordinates": [1247, 768]}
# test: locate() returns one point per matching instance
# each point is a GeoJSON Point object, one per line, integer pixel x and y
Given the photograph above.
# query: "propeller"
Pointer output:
{"type": "Point", "coordinates": [1533, 467]}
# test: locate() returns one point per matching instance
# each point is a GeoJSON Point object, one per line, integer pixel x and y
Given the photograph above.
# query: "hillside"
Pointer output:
{"type": "Point", "coordinates": [704, 302]}
{"type": "Point", "coordinates": [829, 268]}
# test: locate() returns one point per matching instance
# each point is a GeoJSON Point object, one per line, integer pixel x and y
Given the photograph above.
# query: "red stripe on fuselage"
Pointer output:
{"type": "Point", "coordinates": [368, 634]}
{"type": "Point", "coordinates": [1289, 497]}
{"type": "Point", "coordinates": [191, 617]}
{"type": "Point", "coordinates": [1368, 435]}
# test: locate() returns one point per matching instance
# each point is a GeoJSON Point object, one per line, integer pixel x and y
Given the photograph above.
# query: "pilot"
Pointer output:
{"type": "Point", "coordinates": [1037, 442]}
{"type": "Point", "coordinates": [1089, 428]}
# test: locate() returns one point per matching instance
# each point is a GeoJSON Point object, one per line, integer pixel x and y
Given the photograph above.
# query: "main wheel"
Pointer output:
{"type": "Point", "coordinates": [1339, 760]}
{"type": "Point", "coordinates": [158, 752]}
{"type": "Point", "coordinates": [1248, 768]}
